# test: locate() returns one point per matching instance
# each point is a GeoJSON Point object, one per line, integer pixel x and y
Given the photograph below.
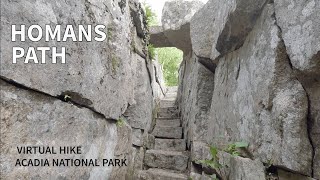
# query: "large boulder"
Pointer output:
{"type": "Point", "coordinates": [29, 118]}
{"type": "Point", "coordinates": [139, 113]}
{"type": "Point", "coordinates": [195, 98]}
{"type": "Point", "coordinates": [235, 168]}
{"type": "Point", "coordinates": [300, 25]}
{"type": "Point", "coordinates": [97, 75]}
{"type": "Point", "coordinates": [257, 99]}
{"type": "Point", "coordinates": [175, 31]}
{"type": "Point", "coordinates": [222, 26]}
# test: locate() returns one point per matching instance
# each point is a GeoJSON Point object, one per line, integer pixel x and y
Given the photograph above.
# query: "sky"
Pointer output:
{"type": "Point", "coordinates": [157, 6]}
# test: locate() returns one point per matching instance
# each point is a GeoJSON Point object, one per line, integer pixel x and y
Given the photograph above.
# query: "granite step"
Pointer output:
{"type": "Point", "coordinates": [168, 122]}
{"type": "Point", "coordinates": [173, 160]}
{"type": "Point", "coordinates": [167, 132]}
{"type": "Point", "coordinates": [168, 112]}
{"type": "Point", "coordinates": [167, 103]}
{"type": "Point", "coordinates": [161, 174]}
{"type": "Point", "coordinates": [170, 144]}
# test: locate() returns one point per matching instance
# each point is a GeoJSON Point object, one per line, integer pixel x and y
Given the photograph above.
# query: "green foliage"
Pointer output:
{"type": "Point", "coordinates": [214, 161]}
{"type": "Point", "coordinates": [151, 16]}
{"type": "Point", "coordinates": [120, 122]}
{"type": "Point", "coordinates": [232, 148]}
{"type": "Point", "coordinates": [151, 51]}
{"type": "Point", "coordinates": [170, 58]}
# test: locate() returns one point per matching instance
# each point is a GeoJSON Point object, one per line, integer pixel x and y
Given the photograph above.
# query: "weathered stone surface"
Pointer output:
{"type": "Point", "coordinates": [138, 16]}
{"type": "Point", "coordinates": [312, 86]}
{"type": "Point", "coordinates": [170, 144]}
{"type": "Point", "coordinates": [222, 26]}
{"type": "Point", "coordinates": [177, 13]}
{"type": "Point", "coordinates": [123, 150]}
{"type": "Point", "coordinates": [137, 158]}
{"type": "Point", "coordinates": [139, 113]}
{"type": "Point", "coordinates": [261, 102]}
{"type": "Point", "coordinates": [199, 151]}
{"type": "Point", "coordinates": [167, 132]}
{"type": "Point", "coordinates": [175, 31]}
{"type": "Point", "coordinates": [149, 141]}
{"type": "Point", "coordinates": [137, 137]}
{"type": "Point", "coordinates": [29, 118]}
{"type": "Point", "coordinates": [169, 122]}
{"type": "Point", "coordinates": [166, 159]}
{"type": "Point", "coordinates": [157, 78]}
{"type": "Point", "coordinates": [96, 74]}
{"type": "Point", "coordinates": [236, 168]}
{"type": "Point", "coordinates": [300, 25]}
{"type": "Point", "coordinates": [195, 98]}
{"type": "Point", "coordinates": [158, 37]}
{"type": "Point", "coordinates": [284, 175]}
{"type": "Point", "coordinates": [160, 174]}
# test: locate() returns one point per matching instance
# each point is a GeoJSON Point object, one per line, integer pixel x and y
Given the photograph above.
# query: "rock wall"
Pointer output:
{"type": "Point", "coordinates": [252, 75]}
{"type": "Point", "coordinates": [102, 99]}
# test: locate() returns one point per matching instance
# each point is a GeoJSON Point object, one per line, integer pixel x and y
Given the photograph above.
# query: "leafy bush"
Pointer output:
{"type": "Point", "coordinates": [214, 163]}
{"type": "Point", "coordinates": [233, 148]}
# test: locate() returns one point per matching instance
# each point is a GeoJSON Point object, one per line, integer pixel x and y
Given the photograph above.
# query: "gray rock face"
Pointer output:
{"type": "Point", "coordinates": [158, 37]}
{"type": "Point", "coordinates": [284, 175]}
{"type": "Point", "coordinates": [137, 137]}
{"type": "Point", "coordinates": [157, 78]}
{"type": "Point", "coordinates": [199, 151]}
{"type": "Point", "coordinates": [300, 24]}
{"type": "Point", "coordinates": [222, 26]}
{"type": "Point", "coordinates": [29, 118]}
{"type": "Point", "coordinates": [195, 98]}
{"type": "Point", "coordinates": [96, 74]}
{"type": "Point", "coordinates": [241, 168]}
{"type": "Point", "coordinates": [177, 13]}
{"type": "Point", "coordinates": [175, 30]}
{"type": "Point", "coordinates": [108, 80]}
{"type": "Point", "coordinates": [138, 16]}
{"type": "Point", "coordinates": [139, 113]}
{"type": "Point", "coordinates": [166, 159]}
{"type": "Point", "coordinates": [258, 100]}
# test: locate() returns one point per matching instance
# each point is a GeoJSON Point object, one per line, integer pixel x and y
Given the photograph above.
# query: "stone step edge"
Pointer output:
{"type": "Point", "coordinates": [169, 153]}
{"type": "Point", "coordinates": [169, 171]}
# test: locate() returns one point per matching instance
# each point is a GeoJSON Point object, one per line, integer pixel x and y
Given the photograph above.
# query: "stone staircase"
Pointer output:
{"type": "Point", "coordinates": [169, 158]}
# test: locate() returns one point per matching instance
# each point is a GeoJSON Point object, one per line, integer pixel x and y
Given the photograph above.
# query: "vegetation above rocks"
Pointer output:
{"type": "Point", "coordinates": [170, 59]}
{"type": "Point", "coordinates": [214, 162]}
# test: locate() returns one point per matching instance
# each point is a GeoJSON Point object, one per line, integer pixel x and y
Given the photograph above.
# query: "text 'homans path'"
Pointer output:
{"type": "Point", "coordinates": [36, 33]}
